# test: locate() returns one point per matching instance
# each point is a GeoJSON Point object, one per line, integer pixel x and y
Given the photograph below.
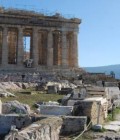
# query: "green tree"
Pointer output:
{"type": "Point", "coordinates": [112, 74]}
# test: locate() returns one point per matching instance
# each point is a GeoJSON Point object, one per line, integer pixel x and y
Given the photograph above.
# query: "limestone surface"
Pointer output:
{"type": "Point", "coordinates": [13, 107]}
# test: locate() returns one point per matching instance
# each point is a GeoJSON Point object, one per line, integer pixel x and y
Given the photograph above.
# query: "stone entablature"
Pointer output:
{"type": "Point", "coordinates": [21, 17]}
{"type": "Point", "coordinates": [53, 39]}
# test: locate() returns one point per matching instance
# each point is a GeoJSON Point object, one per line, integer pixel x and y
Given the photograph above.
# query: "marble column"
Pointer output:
{"type": "Point", "coordinates": [35, 47]}
{"type": "Point", "coordinates": [50, 49]}
{"type": "Point", "coordinates": [75, 48]}
{"type": "Point", "coordinates": [64, 50]}
{"type": "Point", "coordinates": [20, 53]}
{"type": "Point", "coordinates": [5, 47]}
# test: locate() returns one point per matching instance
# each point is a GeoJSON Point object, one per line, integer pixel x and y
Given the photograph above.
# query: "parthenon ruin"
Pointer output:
{"type": "Point", "coordinates": [53, 40]}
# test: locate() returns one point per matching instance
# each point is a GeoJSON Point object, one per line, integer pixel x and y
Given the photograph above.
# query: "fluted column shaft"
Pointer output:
{"type": "Point", "coordinates": [20, 53]}
{"type": "Point", "coordinates": [64, 50]}
{"type": "Point", "coordinates": [5, 47]}
{"type": "Point", "coordinates": [35, 47]}
{"type": "Point", "coordinates": [75, 48]}
{"type": "Point", "coordinates": [50, 49]}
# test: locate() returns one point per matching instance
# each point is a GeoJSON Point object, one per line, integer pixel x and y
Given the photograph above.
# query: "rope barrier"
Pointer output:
{"type": "Point", "coordinates": [82, 131]}
{"type": "Point", "coordinates": [86, 128]}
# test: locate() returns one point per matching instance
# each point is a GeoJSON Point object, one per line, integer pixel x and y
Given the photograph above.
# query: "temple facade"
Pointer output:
{"type": "Point", "coordinates": [53, 40]}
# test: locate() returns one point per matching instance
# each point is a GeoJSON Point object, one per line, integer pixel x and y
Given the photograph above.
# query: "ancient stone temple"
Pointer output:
{"type": "Point", "coordinates": [53, 40]}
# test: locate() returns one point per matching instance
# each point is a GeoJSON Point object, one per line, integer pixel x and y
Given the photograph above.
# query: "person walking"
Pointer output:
{"type": "Point", "coordinates": [103, 83]}
{"type": "Point", "coordinates": [119, 85]}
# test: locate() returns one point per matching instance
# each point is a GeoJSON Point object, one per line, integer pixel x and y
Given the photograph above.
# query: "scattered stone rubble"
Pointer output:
{"type": "Point", "coordinates": [15, 107]}
{"type": "Point", "coordinates": [46, 129]}
{"type": "Point", "coordinates": [109, 135]}
{"type": "Point", "coordinates": [50, 128]}
{"type": "Point", "coordinates": [19, 115]}
{"type": "Point", "coordinates": [27, 77]}
{"type": "Point", "coordinates": [13, 86]}
{"type": "Point", "coordinates": [80, 105]}
{"type": "Point", "coordinates": [5, 93]}
{"type": "Point", "coordinates": [8, 120]}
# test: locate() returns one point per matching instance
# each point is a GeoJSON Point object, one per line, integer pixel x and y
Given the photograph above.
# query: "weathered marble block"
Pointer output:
{"type": "Point", "coordinates": [20, 121]}
{"type": "Point", "coordinates": [73, 124]}
{"type": "Point", "coordinates": [55, 110]}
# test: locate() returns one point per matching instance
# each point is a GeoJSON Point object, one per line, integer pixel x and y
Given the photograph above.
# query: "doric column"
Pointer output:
{"type": "Point", "coordinates": [35, 47]}
{"type": "Point", "coordinates": [75, 48]}
{"type": "Point", "coordinates": [20, 53]}
{"type": "Point", "coordinates": [50, 49]}
{"type": "Point", "coordinates": [64, 50]}
{"type": "Point", "coordinates": [5, 47]}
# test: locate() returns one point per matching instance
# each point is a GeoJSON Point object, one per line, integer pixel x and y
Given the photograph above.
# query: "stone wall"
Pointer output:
{"type": "Point", "coordinates": [55, 110]}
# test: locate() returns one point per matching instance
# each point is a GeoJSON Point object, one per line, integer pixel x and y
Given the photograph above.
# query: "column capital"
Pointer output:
{"type": "Point", "coordinates": [75, 32]}
{"type": "Point", "coordinates": [4, 26]}
{"type": "Point", "coordinates": [20, 28]}
{"type": "Point", "coordinates": [64, 33]}
{"type": "Point", "coordinates": [35, 29]}
{"type": "Point", "coordinates": [50, 30]}
{"type": "Point", "coordinates": [5, 29]}
{"type": "Point", "coordinates": [63, 29]}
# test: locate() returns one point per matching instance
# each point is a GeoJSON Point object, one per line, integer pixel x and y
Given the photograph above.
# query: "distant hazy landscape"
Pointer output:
{"type": "Point", "coordinates": [106, 69]}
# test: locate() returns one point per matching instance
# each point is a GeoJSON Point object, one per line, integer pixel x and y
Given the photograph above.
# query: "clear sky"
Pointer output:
{"type": "Point", "coordinates": [99, 35]}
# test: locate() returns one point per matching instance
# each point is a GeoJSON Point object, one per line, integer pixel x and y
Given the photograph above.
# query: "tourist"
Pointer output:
{"type": "Point", "coordinates": [103, 83]}
{"type": "Point", "coordinates": [119, 85]}
{"type": "Point", "coordinates": [23, 77]}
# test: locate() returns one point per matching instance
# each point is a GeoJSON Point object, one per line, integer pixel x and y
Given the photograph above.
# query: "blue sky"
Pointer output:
{"type": "Point", "coordinates": [99, 35]}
